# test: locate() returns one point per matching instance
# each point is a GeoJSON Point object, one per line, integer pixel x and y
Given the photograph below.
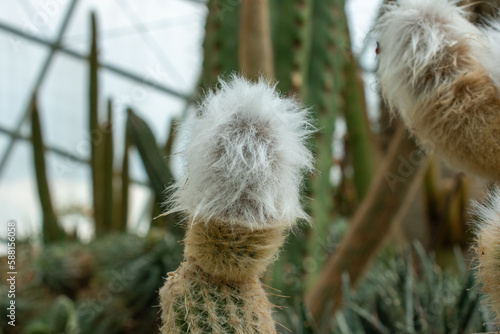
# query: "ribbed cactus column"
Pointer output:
{"type": "Point", "coordinates": [244, 159]}
{"type": "Point", "coordinates": [441, 73]}
{"type": "Point", "coordinates": [221, 39]}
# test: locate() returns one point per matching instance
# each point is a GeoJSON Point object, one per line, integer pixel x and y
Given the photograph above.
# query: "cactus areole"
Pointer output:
{"type": "Point", "coordinates": [244, 157]}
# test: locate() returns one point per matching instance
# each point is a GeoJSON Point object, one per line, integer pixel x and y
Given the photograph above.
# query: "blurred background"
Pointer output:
{"type": "Point", "coordinates": [90, 93]}
{"type": "Point", "coordinates": [161, 42]}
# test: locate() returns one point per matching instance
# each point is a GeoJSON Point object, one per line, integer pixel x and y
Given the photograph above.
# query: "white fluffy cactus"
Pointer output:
{"type": "Point", "coordinates": [245, 156]}
{"type": "Point", "coordinates": [442, 75]}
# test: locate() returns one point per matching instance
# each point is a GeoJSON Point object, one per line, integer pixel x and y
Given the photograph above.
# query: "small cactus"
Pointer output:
{"type": "Point", "coordinates": [244, 163]}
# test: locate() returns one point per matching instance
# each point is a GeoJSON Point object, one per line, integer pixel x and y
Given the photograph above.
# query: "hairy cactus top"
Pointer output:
{"type": "Point", "coordinates": [419, 35]}
{"type": "Point", "coordinates": [245, 155]}
{"type": "Point", "coordinates": [441, 73]}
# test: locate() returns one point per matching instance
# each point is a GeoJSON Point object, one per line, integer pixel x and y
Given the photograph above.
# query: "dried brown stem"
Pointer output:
{"type": "Point", "coordinates": [394, 185]}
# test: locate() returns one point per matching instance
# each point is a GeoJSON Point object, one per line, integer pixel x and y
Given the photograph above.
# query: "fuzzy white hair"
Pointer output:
{"type": "Point", "coordinates": [490, 59]}
{"type": "Point", "coordinates": [487, 213]}
{"type": "Point", "coordinates": [245, 155]}
{"type": "Point", "coordinates": [415, 36]}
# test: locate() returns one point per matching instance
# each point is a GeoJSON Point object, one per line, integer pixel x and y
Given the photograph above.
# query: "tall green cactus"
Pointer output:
{"type": "Point", "coordinates": [291, 30]}
{"type": "Point", "coordinates": [221, 41]}
{"type": "Point", "coordinates": [327, 59]}
{"type": "Point", "coordinates": [358, 129]}
{"type": "Point", "coordinates": [107, 133]}
{"type": "Point", "coordinates": [96, 135]}
{"type": "Point", "coordinates": [255, 50]}
{"type": "Point", "coordinates": [50, 227]}
{"type": "Point", "coordinates": [120, 222]}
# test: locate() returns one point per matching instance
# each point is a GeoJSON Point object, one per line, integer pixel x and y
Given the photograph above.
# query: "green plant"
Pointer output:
{"type": "Point", "coordinates": [107, 286]}
{"type": "Point", "coordinates": [408, 293]}
{"type": "Point", "coordinates": [221, 41]}
{"type": "Point", "coordinates": [51, 230]}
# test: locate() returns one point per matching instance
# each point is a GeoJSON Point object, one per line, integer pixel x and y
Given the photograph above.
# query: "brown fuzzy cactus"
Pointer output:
{"type": "Point", "coordinates": [440, 73]}
{"type": "Point", "coordinates": [245, 156]}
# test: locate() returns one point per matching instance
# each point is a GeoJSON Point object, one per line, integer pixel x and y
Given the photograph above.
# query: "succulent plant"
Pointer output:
{"type": "Point", "coordinates": [244, 161]}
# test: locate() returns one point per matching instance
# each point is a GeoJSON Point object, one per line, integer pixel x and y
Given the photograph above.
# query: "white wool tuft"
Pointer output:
{"type": "Point", "coordinates": [415, 35]}
{"type": "Point", "coordinates": [490, 60]}
{"type": "Point", "coordinates": [245, 156]}
{"type": "Point", "coordinates": [487, 213]}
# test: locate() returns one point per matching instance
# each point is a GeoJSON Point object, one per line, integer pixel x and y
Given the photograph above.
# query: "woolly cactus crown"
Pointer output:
{"type": "Point", "coordinates": [244, 157]}
{"type": "Point", "coordinates": [411, 37]}
{"type": "Point", "coordinates": [440, 73]}
{"type": "Point", "coordinates": [418, 33]}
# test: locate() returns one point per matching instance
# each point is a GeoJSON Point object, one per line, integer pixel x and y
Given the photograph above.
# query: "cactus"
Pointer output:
{"type": "Point", "coordinates": [440, 73]}
{"type": "Point", "coordinates": [142, 137]}
{"type": "Point", "coordinates": [217, 289]}
{"type": "Point", "coordinates": [244, 162]}
{"type": "Point", "coordinates": [122, 217]}
{"type": "Point", "coordinates": [221, 40]}
{"type": "Point", "coordinates": [325, 85]}
{"type": "Point", "coordinates": [255, 53]}
{"type": "Point", "coordinates": [291, 29]}
{"type": "Point", "coordinates": [418, 297]}
{"type": "Point", "coordinates": [107, 152]}
{"type": "Point", "coordinates": [445, 86]}
{"type": "Point", "coordinates": [357, 127]}
{"type": "Point", "coordinates": [168, 222]}
{"type": "Point", "coordinates": [63, 318]}
{"type": "Point", "coordinates": [97, 146]}
{"type": "Point", "coordinates": [50, 227]}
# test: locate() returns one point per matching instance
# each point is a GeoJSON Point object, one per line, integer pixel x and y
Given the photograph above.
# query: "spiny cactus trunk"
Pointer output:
{"type": "Point", "coordinates": [217, 289]}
